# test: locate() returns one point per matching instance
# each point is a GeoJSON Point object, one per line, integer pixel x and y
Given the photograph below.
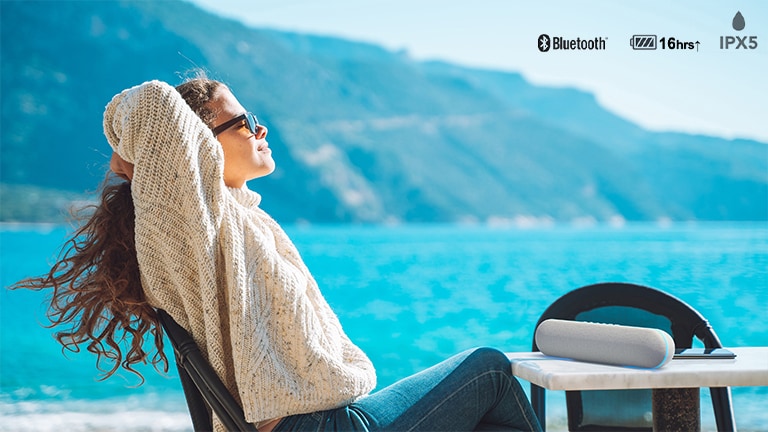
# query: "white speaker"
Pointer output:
{"type": "Point", "coordinates": [605, 343]}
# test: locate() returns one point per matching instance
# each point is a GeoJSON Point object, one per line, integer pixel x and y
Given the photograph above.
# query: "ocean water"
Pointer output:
{"type": "Point", "coordinates": [410, 296]}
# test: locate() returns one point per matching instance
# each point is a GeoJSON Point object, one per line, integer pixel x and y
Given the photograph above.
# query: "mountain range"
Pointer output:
{"type": "Point", "coordinates": [359, 133]}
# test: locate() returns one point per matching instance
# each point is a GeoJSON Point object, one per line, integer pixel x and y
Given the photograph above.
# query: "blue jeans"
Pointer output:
{"type": "Point", "coordinates": [474, 390]}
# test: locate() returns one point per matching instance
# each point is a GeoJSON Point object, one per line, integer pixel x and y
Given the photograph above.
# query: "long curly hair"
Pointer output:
{"type": "Point", "coordinates": [97, 297]}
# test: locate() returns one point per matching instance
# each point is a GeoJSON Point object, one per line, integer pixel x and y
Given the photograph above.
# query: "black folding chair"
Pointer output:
{"type": "Point", "coordinates": [203, 388]}
{"type": "Point", "coordinates": [629, 304]}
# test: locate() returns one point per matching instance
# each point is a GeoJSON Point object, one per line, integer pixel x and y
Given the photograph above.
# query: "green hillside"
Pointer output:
{"type": "Point", "coordinates": [359, 133]}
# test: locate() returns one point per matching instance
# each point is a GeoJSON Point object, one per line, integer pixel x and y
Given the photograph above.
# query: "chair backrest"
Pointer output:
{"type": "Point", "coordinates": [636, 305]}
{"type": "Point", "coordinates": [203, 389]}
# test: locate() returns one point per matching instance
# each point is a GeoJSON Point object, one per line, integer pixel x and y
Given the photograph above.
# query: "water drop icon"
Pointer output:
{"type": "Point", "coordinates": [738, 22]}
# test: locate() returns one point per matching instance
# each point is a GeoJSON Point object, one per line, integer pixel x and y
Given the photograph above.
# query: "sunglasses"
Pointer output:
{"type": "Point", "coordinates": [250, 120]}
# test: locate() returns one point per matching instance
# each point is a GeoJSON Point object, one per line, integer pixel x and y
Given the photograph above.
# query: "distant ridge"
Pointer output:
{"type": "Point", "coordinates": [360, 133]}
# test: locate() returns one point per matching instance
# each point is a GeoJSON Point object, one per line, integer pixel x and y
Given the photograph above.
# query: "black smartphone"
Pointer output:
{"type": "Point", "coordinates": [703, 353]}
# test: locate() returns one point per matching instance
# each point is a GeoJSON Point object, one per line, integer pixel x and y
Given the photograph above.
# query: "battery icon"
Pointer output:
{"type": "Point", "coordinates": [643, 42]}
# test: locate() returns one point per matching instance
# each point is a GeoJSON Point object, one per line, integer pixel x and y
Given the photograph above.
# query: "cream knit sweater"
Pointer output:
{"type": "Point", "coordinates": [224, 269]}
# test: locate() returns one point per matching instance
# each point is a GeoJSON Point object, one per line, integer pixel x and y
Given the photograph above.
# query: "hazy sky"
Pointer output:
{"type": "Point", "coordinates": [711, 91]}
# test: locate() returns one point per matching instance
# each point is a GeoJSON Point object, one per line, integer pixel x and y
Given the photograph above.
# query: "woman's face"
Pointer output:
{"type": "Point", "coordinates": [246, 155]}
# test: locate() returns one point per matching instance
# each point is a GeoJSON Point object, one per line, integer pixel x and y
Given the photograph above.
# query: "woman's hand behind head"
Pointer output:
{"type": "Point", "coordinates": [121, 167]}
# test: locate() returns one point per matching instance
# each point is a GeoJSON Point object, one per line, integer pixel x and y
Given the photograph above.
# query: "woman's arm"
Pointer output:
{"type": "Point", "coordinates": [175, 156]}
{"type": "Point", "coordinates": [177, 189]}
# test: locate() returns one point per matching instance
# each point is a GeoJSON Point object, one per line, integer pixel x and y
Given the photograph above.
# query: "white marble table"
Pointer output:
{"type": "Point", "coordinates": [749, 368]}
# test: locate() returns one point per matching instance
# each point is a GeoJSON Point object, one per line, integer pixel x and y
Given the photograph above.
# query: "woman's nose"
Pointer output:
{"type": "Point", "coordinates": [262, 132]}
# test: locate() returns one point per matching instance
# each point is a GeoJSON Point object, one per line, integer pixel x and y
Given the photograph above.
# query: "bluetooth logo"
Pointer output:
{"type": "Point", "coordinates": [544, 43]}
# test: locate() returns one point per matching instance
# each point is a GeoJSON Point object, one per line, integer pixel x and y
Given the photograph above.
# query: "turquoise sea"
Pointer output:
{"type": "Point", "coordinates": [410, 296]}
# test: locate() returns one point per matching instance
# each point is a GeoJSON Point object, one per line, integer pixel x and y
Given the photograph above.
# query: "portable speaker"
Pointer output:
{"type": "Point", "coordinates": [605, 343]}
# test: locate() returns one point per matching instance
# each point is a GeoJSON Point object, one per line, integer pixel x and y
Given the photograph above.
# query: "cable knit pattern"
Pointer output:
{"type": "Point", "coordinates": [224, 269]}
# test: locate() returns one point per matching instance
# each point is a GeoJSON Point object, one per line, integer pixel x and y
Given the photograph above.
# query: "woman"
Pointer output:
{"type": "Point", "coordinates": [205, 252]}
